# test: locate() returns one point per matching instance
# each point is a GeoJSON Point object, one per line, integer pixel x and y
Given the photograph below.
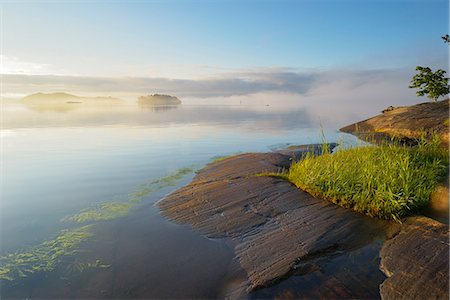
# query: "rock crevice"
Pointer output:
{"type": "Point", "coordinates": [272, 224]}
{"type": "Point", "coordinates": [278, 230]}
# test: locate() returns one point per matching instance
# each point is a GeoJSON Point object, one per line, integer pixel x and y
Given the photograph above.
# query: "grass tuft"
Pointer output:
{"type": "Point", "coordinates": [387, 181]}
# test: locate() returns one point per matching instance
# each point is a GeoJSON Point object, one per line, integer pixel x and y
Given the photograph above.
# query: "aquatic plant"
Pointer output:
{"type": "Point", "coordinates": [109, 211]}
{"type": "Point", "coordinates": [389, 180]}
{"type": "Point", "coordinates": [221, 158]}
{"type": "Point", "coordinates": [158, 184]}
{"type": "Point", "coordinates": [104, 212]}
{"type": "Point", "coordinates": [171, 179]}
{"type": "Point", "coordinates": [77, 266]}
{"type": "Point", "coordinates": [43, 257]}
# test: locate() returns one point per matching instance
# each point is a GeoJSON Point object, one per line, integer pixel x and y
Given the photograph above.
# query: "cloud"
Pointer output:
{"type": "Point", "coordinates": [15, 65]}
{"type": "Point", "coordinates": [224, 85]}
{"type": "Point", "coordinates": [242, 84]}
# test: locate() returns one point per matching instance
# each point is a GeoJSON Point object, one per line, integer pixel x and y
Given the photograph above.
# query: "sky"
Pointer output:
{"type": "Point", "coordinates": [215, 48]}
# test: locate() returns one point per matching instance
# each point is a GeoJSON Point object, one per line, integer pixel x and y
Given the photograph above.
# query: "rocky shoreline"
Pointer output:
{"type": "Point", "coordinates": [405, 123]}
{"type": "Point", "coordinates": [276, 228]}
{"type": "Point", "coordinates": [416, 261]}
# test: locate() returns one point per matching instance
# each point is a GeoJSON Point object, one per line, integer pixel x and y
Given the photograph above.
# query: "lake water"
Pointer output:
{"type": "Point", "coordinates": [62, 161]}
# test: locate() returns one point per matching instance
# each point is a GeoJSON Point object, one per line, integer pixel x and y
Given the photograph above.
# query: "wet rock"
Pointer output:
{"type": "Point", "coordinates": [243, 165]}
{"type": "Point", "coordinates": [349, 275]}
{"type": "Point", "coordinates": [273, 225]}
{"type": "Point", "coordinates": [247, 164]}
{"type": "Point", "coordinates": [416, 261]}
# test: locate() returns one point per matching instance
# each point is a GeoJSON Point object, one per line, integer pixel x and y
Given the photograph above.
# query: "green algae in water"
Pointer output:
{"type": "Point", "coordinates": [79, 267]}
{"type": "Point", "coordinates": [109, 211]}
{"type": "Point", "coordinates": [105, 211]}
{"type": "Point", "coordinates": [46, 256]}
{"type": "Point", "coordinates": [216, 159]}
{"type": "Point", "coordinates": [158, 184]}
{"type": "Point", "coordinates": [43, 257]}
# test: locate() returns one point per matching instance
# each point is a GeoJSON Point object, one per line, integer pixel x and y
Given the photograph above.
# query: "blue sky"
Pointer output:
{"type": "Point", "coordinates": [218, 48]}
{"type": "Point", "coordinates": [92, 38]}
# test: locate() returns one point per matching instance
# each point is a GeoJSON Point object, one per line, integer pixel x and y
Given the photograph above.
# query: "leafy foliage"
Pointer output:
{"type": "Point", "coordinates": [432, 84]}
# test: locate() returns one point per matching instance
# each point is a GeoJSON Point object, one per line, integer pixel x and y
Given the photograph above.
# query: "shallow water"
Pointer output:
{"type": "Point", "coordinates": [57, 163]}
{"type": "Point", "coordinates": [347, 275]}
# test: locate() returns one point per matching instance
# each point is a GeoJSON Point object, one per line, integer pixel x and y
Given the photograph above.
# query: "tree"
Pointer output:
{"type": "Point", "coordinates": [433, 84]}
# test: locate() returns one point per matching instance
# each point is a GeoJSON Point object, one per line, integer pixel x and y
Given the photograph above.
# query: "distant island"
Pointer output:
{"type": "Point", "coordinates": [65, 98]}
{"type": "Point", "coordinates": [158, 99]}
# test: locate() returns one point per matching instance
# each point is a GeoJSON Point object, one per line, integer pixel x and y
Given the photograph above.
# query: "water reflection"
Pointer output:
{"type": "Point", "coordinates": [54, 107]}
{"type": "Point", "coordinates": [350, 275]}
{"type": "Point", "coordinates": [157, 108]}
{"type": "Point", "coordinates": [81, 115]}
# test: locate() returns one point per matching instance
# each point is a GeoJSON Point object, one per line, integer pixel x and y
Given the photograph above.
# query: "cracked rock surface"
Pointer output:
{"type": "Point", "coordinates": [271, 223]}
{"type": "Point", "coordinates": [416, 261]}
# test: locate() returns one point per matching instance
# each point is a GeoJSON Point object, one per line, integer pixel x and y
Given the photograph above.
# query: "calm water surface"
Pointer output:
{"type": "Point", "coordinates": [58, 162]}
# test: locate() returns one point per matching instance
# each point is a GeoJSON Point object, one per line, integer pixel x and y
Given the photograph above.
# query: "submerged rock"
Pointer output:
{"type": "Point", "coordinates": [273, 226]}
{"type": "Point", "coordinates": [416, 261]}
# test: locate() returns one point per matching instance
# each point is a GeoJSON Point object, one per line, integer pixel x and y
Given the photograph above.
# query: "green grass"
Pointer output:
{"type": "Point", "coordinates": [387, 181]}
